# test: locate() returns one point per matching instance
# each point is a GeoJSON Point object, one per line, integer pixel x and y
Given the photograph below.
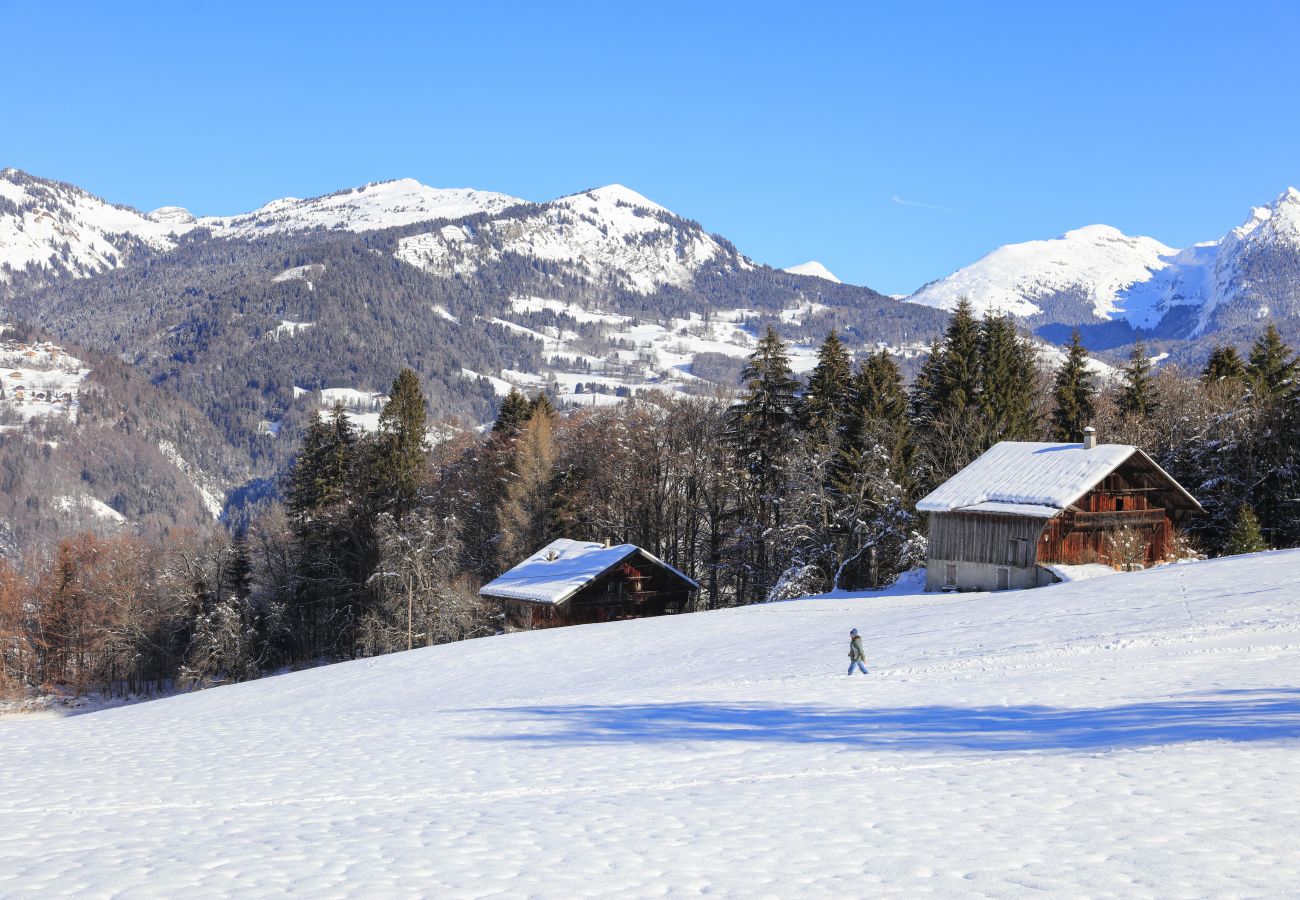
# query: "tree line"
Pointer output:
{"type": "Point", "coordinates": [796, 485]}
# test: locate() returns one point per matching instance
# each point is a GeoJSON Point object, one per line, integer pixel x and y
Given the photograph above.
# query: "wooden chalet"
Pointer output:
{"type": "Point", "coordinates": [576, 582]}
{"type": "Point", "coordinates": [1023, 513]}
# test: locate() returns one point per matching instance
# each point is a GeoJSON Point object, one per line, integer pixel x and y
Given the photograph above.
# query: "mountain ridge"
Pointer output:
{"type": "Point", "coordinates": [1098, 273]}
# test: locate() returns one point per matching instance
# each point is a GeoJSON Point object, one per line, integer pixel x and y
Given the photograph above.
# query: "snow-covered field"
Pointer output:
{"type": "Point", "coordinates": [1137, 735]}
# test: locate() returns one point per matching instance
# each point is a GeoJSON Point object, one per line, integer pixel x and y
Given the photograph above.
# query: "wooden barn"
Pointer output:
{"type": "Point", "coordinates": [1023, 512]}
{"type": "Point", "coordinates": [576, 582]}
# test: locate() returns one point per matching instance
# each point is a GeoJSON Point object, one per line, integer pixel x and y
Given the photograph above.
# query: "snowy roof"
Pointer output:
{"type": "Point", "coordinates": [562, 568]}
{"type": "Point", "coordinates": [1024, 478]}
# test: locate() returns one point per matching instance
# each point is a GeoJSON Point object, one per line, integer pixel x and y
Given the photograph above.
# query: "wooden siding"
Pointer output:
{"type": "Point", "coordinates": [1121, 523]}
{"type": "Point", "coordinates": [993, 539]}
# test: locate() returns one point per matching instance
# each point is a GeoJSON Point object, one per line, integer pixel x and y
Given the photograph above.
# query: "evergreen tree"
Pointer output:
{"type": "Point", "coordinates": [1246, 535]}
{"type": "Point", "coordinates": [515, 410]}
{"type": "Point", "coordinates": [1074, 394]}
{"type": "Point", "coordinates": [822, 407]}
{"type": "Point", "coordinates": [541, 404]}
{"type": "Point", "coordinates": [955, 383]}
{"type": "Point", "coordinates": [878, 413]}
{"type": "Point", "coordinates": [1224, 366]}
{"type": "Point", "coordinates": [923, 400]}
{"type": "Point", "coordinates": [399, 464]}
{"type": "Point", "coordinates": [1007, 381]}
{"type": "Point", "coordinates": [1272, 369]}
{"type": "Point", "coordinates": [762, 431]}
{"type": "Point", "coordinates": [319, 475]}
{"type": "Point", "coordinates": [1137, 391]}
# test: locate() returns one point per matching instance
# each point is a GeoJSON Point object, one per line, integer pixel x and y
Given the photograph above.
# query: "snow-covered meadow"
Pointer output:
{"type": "Point", "coordinates": [1135, 735]}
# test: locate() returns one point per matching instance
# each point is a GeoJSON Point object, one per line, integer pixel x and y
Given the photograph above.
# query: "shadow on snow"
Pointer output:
{"type": "Point", "coordinates": [1232, 716]}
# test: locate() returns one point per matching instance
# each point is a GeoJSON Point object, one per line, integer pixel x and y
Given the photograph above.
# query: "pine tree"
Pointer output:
{"type": "Point", "coordinates": [763, 422]}
{"type": "Point", "coordinates": [1246, 535]}
{"type": "Point", "coordinates": [762, 432]}
{"type": "Point", "coordinates": [1137, 390]}
{"type": "Point", "coordinates": [320, 473]}
{"type": "Point", "coordinates": [1007, 381]}
{"type": "Point", "coordinates": [541, 404]}
{"type": "Point", "coordinates": [878, 413]}
{"type": "Point", "coordinates": [1224, 367]}
{"type": "Point", "coordinates": [823, 405]}
{"type": "Point", "coordinates": [1074, 393]}
{"type": "Point", "coordinates": [399, 464]}
{"type": "Point", "coordinates": [955, 383]}
{"type": "Point", "coordinates": [1273, 367]}
{"type": "Point", "coordinates": [515, 410]}
{"type": "Point", "coordinates": [922, 399]}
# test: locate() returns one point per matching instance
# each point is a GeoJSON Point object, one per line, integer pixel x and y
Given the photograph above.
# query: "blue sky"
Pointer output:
{"type": "Point", "coordinates": [894, 145]}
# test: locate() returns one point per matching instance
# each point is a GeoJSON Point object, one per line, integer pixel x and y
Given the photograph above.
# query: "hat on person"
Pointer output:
{"type": "Point", "coordinates": [854, 632]}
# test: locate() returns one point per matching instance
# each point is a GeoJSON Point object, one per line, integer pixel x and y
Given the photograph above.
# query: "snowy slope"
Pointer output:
{"type": "Point", "coordinates": [1138, 279]}
{"type": "Point", "coordinates": [814, 269]}
{"type": "Point", "coordinates": [62, 229]}
{"type": "Point", "coordinates": [610, 232]}
{"type": "Point", "coordinates": [1135, 735]}
{"type": "Point", "coordinates": [1098, 260]}
{"type": "Point", "coordinates": [381, 204]}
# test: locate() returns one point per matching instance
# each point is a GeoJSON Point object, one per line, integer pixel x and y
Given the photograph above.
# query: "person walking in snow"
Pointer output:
{"type": "Point", "coordinates": [856, 656]}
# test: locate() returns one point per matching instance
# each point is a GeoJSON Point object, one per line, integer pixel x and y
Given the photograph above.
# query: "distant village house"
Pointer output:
{"type": "Point", "coordinates": [1023, 513]}
{"type": "Point", "coordinates": [577, 582]}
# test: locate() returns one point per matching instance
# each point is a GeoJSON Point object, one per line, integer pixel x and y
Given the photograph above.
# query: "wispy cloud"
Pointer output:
{"type": "Point", "coordinates": [901, 202]}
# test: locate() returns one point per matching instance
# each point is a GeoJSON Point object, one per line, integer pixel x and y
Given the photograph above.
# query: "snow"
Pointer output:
{"type": "Point", "coordinates": [1098, 260]}
{"type": "Point", "coordinates": [610, 232]}
{"type": "Point", "coordinates": [813, 269]}
{"type": "Point", "coordinates": [301, 273]}
{"type": "Point", "coordinates": [1080, 572]}
{"type": "Point", "coordinates": [1027, 473]}
{"type": "Point", "coordinates": [500, 386]}
{"type": "Point", "coordinates": [40, 380]}
{"type": "Point", "coordinates": [1136, 279]}
{"type": "Point", "coordinates": [1127, 736]}
{"type": "Point", "coordinates": [443, 313]}
{"type": "Point", "coordinates": [212, 497]}
{"type": "Point", "coordinates": [53, 215]}
{"type": "Point", "coordinates": [97, 508]}
{"type": "Point", "coordinates": [382, 204]}
{"type": "Point", "coordinates": [288, 328]}
{"type": "Point", "coordinates": [561, 569]}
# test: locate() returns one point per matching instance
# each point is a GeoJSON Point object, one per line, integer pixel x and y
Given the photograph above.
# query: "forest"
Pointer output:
{"type": "Point", "coordinates": [378, 542]}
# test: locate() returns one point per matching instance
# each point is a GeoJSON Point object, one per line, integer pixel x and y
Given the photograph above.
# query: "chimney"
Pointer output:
{"type": "Point", "coordinates": [608, 543]}
{"type": "Point", "coordinates": [1089, 438]}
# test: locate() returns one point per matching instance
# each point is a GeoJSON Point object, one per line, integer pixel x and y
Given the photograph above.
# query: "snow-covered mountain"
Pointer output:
{"type": "Point", "coordinates": [382, 204]}
{"type": "Point", "coordinates": [814, 269]}
{"type": "Point", "coordinates": [1019, 279]}
{"type": "Point", "coordinates": [50, 229]}
{"type": "Point", "coordinates": [1099, 273]}
{"type": "Point", "coordinates": [610, 233]}
{"type": "Point", "coordinates": [1135, 734]}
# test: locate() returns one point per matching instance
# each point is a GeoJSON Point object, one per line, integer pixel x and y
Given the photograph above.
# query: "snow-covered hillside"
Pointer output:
{"type": "Point", "coordinates": [38, 380]}
{"type": "Point", "coordinates": [1015, 279]}
{"type": "Point", "coordinates": [1134, 735]}
{"type": "Point", "coordinates": [610, 232]}
{"type": "Point", "coordinates": [62, 230]}
{"type": "Point", "coordinates": [1109, 275]}
{"type": "Point", "coordinates": [814, 269]}
{"type": "Point", "coordinates": [382, 204]}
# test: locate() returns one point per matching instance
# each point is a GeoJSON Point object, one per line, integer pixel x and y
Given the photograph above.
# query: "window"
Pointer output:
{"type": "Point", "coordinates": [950, 575]}
{"type": "Point", "coordinates": [1004, 579]}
